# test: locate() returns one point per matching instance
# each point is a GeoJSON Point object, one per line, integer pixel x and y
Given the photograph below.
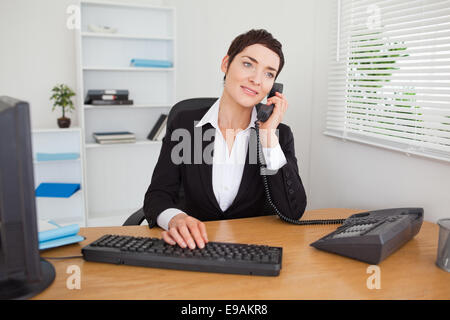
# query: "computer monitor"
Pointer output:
{"type": "Point", "coordinates": [23, 273]}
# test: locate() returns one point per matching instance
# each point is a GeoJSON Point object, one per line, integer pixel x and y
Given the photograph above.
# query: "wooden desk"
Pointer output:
{"type": "Point", "coordinates": [306, 273]}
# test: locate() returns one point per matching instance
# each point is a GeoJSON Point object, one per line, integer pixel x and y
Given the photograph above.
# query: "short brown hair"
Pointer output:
{"type": "Point", "coordinates": [258, 36]}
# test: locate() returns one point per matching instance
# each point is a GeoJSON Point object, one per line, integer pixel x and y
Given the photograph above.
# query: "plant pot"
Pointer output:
{"type": "Point", "coordinates": [64, 122]}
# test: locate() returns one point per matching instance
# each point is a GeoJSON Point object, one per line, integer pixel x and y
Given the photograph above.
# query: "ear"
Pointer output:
{"type": "Point", "coordinates": [224, 65]}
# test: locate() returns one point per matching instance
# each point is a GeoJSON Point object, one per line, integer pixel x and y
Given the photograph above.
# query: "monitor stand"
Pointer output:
{"type": "Point", "coordinates": [19, 289]}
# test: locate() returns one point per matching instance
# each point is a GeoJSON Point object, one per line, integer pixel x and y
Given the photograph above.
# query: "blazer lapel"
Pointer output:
{"type": "Point", "coordinates": [205, 168]}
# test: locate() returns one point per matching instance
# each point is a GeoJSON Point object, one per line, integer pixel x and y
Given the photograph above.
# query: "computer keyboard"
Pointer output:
{"type": "Point", "coordinates": [217, 257]}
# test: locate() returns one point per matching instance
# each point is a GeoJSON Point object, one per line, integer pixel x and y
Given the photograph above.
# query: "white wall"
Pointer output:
{"type": "Point", "coordinates": [353, 175]}
{"type": "Point", "coordinates": [37, 51]}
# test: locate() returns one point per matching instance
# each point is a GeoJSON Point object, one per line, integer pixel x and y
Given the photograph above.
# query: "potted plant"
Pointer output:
{"type": "Point", "coordinates": [62, 96]}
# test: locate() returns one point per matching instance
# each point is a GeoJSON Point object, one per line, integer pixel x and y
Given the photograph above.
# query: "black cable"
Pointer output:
{"type": "Point", "coordinates": [269, 198]}
{"type": "Point", "coordinates": [62, 258]}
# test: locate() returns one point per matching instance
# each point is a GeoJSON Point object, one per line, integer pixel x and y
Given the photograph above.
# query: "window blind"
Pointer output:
{"type": "Point", "coordinates": [389, 79]}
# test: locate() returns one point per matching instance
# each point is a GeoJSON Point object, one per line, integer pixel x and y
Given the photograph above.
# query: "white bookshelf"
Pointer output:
{"type": "Point", "coordinates": [118, 175]}
{"type": "Point", "coordinates": [61, 210]}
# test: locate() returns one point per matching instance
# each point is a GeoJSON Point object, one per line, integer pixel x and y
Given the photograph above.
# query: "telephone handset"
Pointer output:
{"type": "Point", "coordinates": [264, 110]}
{"type": "Point", "coordinates": [263, 113]}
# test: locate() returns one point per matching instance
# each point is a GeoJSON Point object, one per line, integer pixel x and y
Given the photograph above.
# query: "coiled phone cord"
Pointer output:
{"type": "Point", "coordinates": [269, 198]}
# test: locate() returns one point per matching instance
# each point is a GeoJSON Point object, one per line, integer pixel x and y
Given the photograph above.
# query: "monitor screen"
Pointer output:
{"type": "Point", "coordinates": [21, 268]}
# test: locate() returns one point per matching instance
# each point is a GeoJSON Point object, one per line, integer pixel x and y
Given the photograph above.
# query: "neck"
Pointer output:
{"type": "Point", "coordinates": [232, 115]}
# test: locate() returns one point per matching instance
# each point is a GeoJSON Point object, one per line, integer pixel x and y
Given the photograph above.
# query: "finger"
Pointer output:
{"type": "Point", "coordinates": [184, 231]}
{"type": "Point", "coordinates": [283, 111]}
{"type": "Point", "coordinates": [282, 96]}
{"type": "Point", "coordinates": [196, 234]}
{"type": "Point", "coordinates": [274, 100]}
{"type": "Point", "coordinates": [176, 236]}
{"type": "Point", "coordinates": [278, 109]}
{"type": "Point", "coordinates": [167, 238]}
{"type": "Point", "coordinates": [202, 228]}
{"type": "Point", "coordinates": [285, 106]}
{"type": "Point", "coordinates": [282, 106]}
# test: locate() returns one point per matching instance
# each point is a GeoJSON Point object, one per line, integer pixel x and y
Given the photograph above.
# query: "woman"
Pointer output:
{"type": "Point", "coordinates": [231, 187]}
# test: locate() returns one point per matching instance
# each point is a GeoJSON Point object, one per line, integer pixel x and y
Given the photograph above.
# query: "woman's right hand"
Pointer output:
{"type": "Point", "coordinates": [186, 231]}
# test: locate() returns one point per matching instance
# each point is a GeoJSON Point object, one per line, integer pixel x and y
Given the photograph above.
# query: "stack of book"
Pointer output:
{"type": "Point", "coordinates": [114, 137]}
{"type": "Point", "coordinates": [159, 129]}
{"type": "Point", "coordinates": [108, 97]}
{"type": "Point", "coordinates": [53, 235]}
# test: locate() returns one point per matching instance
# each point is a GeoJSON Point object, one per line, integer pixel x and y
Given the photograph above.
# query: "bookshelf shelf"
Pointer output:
{"type": "Point", "coordinates": [118, 175]}
{"type": "Point", "coordinates": [137, 106]}
{"type": "Point", "coordinates": [122, 145]}
{"type": "Point", "coordinates": [125, 5]}
{"type": "Point", "coordinates": [57, 130]}
{"type": "Point", "coordinates": [56, 141]}
{"type": "Point", "coordinates": [128, 69]}
{"type": "Point", "coordinates": [49, 162]}
{"type": "Point", "coordinates": [76, 194]}
{"type": "Point", "coordinates": [124, 36]}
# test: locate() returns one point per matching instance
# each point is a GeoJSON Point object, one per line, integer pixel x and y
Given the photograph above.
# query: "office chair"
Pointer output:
{"type": "Point", "coordinates": [195, 103]}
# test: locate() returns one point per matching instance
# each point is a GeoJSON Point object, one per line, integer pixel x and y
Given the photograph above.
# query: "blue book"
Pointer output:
{"type": "Point", "coordinates": [53, 235]}
{"type": "Point", "coordinates": [57, 190]}
{"type": "Point", "coordinates": [56, 156]}
{"type": "Point", "coordinates": [60, 242]}
{"type": "Point", "coordinates": [58, 232]}
{"type": "Point", "coordinates": [151, 63]}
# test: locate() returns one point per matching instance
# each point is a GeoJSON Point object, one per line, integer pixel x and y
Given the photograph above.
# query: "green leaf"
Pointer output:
{"type": "Point", "coordinates": [62, 95]}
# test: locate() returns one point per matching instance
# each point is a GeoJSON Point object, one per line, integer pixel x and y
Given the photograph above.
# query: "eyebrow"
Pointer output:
{"type": "Point", "coordinates": [256, 61]}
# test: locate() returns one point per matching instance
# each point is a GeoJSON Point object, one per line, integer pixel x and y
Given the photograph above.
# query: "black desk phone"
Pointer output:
{"type": "Point", "coordinates": [369, 236]}
{"type": "Point", "coordinates": [374, 235]}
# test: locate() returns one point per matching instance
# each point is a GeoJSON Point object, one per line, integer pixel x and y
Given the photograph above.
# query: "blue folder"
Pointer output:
{"type": "Point", "coordinates": [57, 190]}
{"type": "Point", "coordinates": [59, 236]}
{"type": "Point", "coordinates": [58, 232]}
{"type": "Point", "coordinates": [60, 242]}
{"type": "Point", "coordinates": [151, 63]}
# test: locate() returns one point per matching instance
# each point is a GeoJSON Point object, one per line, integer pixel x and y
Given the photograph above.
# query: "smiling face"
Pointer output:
{"type": "Point", "coordinates": [251, 74]}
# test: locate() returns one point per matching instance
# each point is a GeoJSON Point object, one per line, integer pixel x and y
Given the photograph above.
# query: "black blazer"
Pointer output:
{"type": "Point", "coordinates": [286, 188]}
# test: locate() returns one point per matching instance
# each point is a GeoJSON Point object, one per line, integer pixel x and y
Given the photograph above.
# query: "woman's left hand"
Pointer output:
{"type": "Point", "coordinates": [267, 129]}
